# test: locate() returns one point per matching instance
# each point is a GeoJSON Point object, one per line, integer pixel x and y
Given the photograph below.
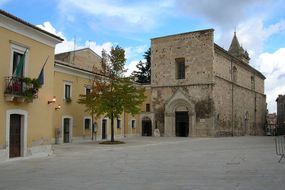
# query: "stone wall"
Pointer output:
{"type": "Point", "coordinates": [222, 95]}
{"type": "Point", "coordinates": [195, 47]}
{"type": "Point", "coordinates": [240, 104]}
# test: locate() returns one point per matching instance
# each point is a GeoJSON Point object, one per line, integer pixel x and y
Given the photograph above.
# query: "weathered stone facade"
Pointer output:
{"type": "Point", "coordinates": [220, 92]}
{"type": "Point", "coordinates": [281, 114]}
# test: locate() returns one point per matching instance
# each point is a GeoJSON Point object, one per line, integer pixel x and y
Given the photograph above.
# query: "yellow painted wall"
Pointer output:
{"type": "Point", "coordinates": [39, 112]}
{"type": "Point", "coordinates": [77, 111]}
{"type": "Point", "coordinates": [72, 109]}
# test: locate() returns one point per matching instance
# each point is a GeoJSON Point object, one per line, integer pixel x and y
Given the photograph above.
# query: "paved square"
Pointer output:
{"type": "Point", "coordinates": [152, 163]}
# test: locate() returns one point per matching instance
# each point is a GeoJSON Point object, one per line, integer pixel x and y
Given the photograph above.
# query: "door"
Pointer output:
{"type": "Point", "coordinates": [15, 136]}
{"type": "Point", "coordinates": [104, 129]}
{"type": "Point", "coordinates": [181, 124]}
{"type": "Point", "coordinates": [146, 127]}
{"type": "Point", "coordinates": [66, 130]}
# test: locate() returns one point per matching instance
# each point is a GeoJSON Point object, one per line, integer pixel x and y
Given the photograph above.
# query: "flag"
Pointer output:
{"type": "Point", "coordinates": [20, 66]}
{"type": "Point", "coordinates": [41, 75]}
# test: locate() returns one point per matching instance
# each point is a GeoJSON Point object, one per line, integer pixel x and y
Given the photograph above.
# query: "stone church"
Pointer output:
{"type": "Point", "coordinates": [200, 89]}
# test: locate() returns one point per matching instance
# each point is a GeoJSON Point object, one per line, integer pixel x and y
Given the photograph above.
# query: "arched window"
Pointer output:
{"type": "Point", "coordinates": [252, 83]}
{"type": "Point", "coordinates": [234, 77]}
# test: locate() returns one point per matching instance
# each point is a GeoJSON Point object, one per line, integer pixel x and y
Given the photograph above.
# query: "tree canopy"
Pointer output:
{"type": "Point", "coordinates": [143, 75]}
{"type": "Point", "coordinates": [114, 93]}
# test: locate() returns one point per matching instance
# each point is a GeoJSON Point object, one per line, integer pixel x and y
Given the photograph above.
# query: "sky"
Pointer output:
{"type": "Point", "coordinates": [101, 24]}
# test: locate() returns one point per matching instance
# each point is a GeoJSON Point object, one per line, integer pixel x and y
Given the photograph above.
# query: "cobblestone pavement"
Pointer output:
{"type": "Point", "coordinates": [150, 164]}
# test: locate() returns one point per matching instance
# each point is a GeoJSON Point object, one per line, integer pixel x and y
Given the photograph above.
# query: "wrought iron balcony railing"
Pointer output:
{"type": "Point", "coordinates": [21, 87]}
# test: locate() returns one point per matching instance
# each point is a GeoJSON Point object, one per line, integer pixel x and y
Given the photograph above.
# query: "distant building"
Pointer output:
{"type": "Point", "coordinates": [281, 114]}
{"type": "Point", "coordinates": [271, 123]}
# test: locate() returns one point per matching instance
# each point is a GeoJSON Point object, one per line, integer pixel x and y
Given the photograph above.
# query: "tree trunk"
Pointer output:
{"type": "Point", "coordinates": [92, 126]}
{"type": "Point", "coordinates": [112, 129]}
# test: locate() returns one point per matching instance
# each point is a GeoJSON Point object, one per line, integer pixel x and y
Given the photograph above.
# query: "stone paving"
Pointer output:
{"type": "Point", "coordinates": [148, 163]}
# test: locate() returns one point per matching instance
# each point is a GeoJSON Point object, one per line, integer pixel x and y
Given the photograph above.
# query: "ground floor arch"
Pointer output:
{"type": "Point", "coordinates": [179, 116]}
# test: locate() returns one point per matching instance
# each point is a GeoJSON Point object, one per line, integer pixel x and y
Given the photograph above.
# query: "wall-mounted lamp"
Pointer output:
{"type": "Point", "coordinates": [52, 101]}
{"type": "Point", "coordinates": [57, 107]}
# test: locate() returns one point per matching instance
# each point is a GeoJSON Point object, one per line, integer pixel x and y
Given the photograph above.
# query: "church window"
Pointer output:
{"type": "Point", "coordinates": [180, 68]}
{"type": "Point", "coordinates": [252, 83]}
{"type": "Point", "coordinates": [147, 107]}
{"type": "Point", "coordinates": [234, 77]}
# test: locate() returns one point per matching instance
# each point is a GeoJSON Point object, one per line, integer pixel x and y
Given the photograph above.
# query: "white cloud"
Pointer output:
{"type": "Point", "coordinates": [47, 26]}
{"type": "Point", "coordinates": [272, 65]}
{"type": "Point", "coordinates": [224, 13]}
{"type": "Point", "coordinates": [135, 52]}
{"type": "Point", "coordinates": [97, 48]}
{"type": "Point", "coordinates": [131, 67]}
{"type": "Point", "coordinates": [119, 15]}
{"type": "Point", "coordinates": [69, 44]}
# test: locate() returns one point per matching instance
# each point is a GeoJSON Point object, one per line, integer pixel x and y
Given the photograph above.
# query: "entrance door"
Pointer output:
{"type": "Point", "coordinates": [66, 130]}
{"type": "Point", "coordinates": [146, 127]}
{"type": "Point", "coordinates": [181, 124]}
{"type": "Point", "coordinates": [104, 129]}
{"type": "Point", "coordinates": [15, 135]}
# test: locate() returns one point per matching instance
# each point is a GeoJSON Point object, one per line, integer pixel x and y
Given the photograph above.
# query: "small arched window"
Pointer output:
{"type": "Point", "coordinates": [234, 75]}
{"type": "Point", "coordinates": [252, 82]}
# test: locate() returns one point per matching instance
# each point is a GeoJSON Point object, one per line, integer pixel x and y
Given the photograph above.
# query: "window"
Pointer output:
{"type": "Point", "coordinates": [147, 107]}
{"type": "Point", "coordinates": [87, 90]}
{"type": "Point", "coordinates": [67, 90]}
{"type": "Point", "coordinates": [234, 77]}
{"type": "Point", "coordinates": [133, 124]}
{"type": "Point", "coordinates": [180, 68]}
{"type": "Point", "coordinates": [252, 83]}
{"type": "Point", "coordinates": [18, 60]}
{"type": "Point", "coordinates": [17, 57]}
{"type": "Point", "coordinates": [118, 124]}
{"type": "Point", "coordinates": [87, 123]}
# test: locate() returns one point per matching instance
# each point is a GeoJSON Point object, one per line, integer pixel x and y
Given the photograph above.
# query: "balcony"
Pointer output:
{"type": "Point", "coordinates": [21, 89]}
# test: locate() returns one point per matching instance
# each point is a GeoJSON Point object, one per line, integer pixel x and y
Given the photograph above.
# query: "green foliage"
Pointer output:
{"type": "Point", "coordinates": [32, 87]}
{"type": "Point", "coordinates": [143, 75]}
{"type": "Point", "coordinates": [113, 94]}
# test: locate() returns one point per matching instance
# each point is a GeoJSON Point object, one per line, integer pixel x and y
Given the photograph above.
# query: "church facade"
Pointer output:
{"type": "Point", "coordinates": [199, 89]}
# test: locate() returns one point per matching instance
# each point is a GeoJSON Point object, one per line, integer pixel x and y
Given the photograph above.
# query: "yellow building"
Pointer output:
{"type": "Point", "coordinates": [74, 73]}
{"type": "Point", "coordinates": [26, 117]}
{"type": "Point", "coordinates": [35, 116]}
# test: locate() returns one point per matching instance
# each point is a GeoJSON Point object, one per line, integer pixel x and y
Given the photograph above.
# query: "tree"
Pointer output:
{"type": "Point", "coordinates": [113, 93]}
{"type": "Point", "coordinates": [143, 75]}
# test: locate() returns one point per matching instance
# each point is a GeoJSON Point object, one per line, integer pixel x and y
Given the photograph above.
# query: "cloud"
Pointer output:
{"type": "Point", "coordinates": [131, 67]}
{"type": "Point", "coordinates": [132, 53]}
{"type": "Point", "coordinates": [47, 26]}
{"type": "Point", "coordinates": [224, 13]}
{"type": "Point", "coordinates": [272, 65]}
{"type": "Point", "coordinates": [119, 15]}
{"type": "Point", "coordinates": [69, 44]}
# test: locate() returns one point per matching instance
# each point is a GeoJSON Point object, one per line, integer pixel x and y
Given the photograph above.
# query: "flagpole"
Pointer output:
{"type": "Point", "coordinates": [41, 75]}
